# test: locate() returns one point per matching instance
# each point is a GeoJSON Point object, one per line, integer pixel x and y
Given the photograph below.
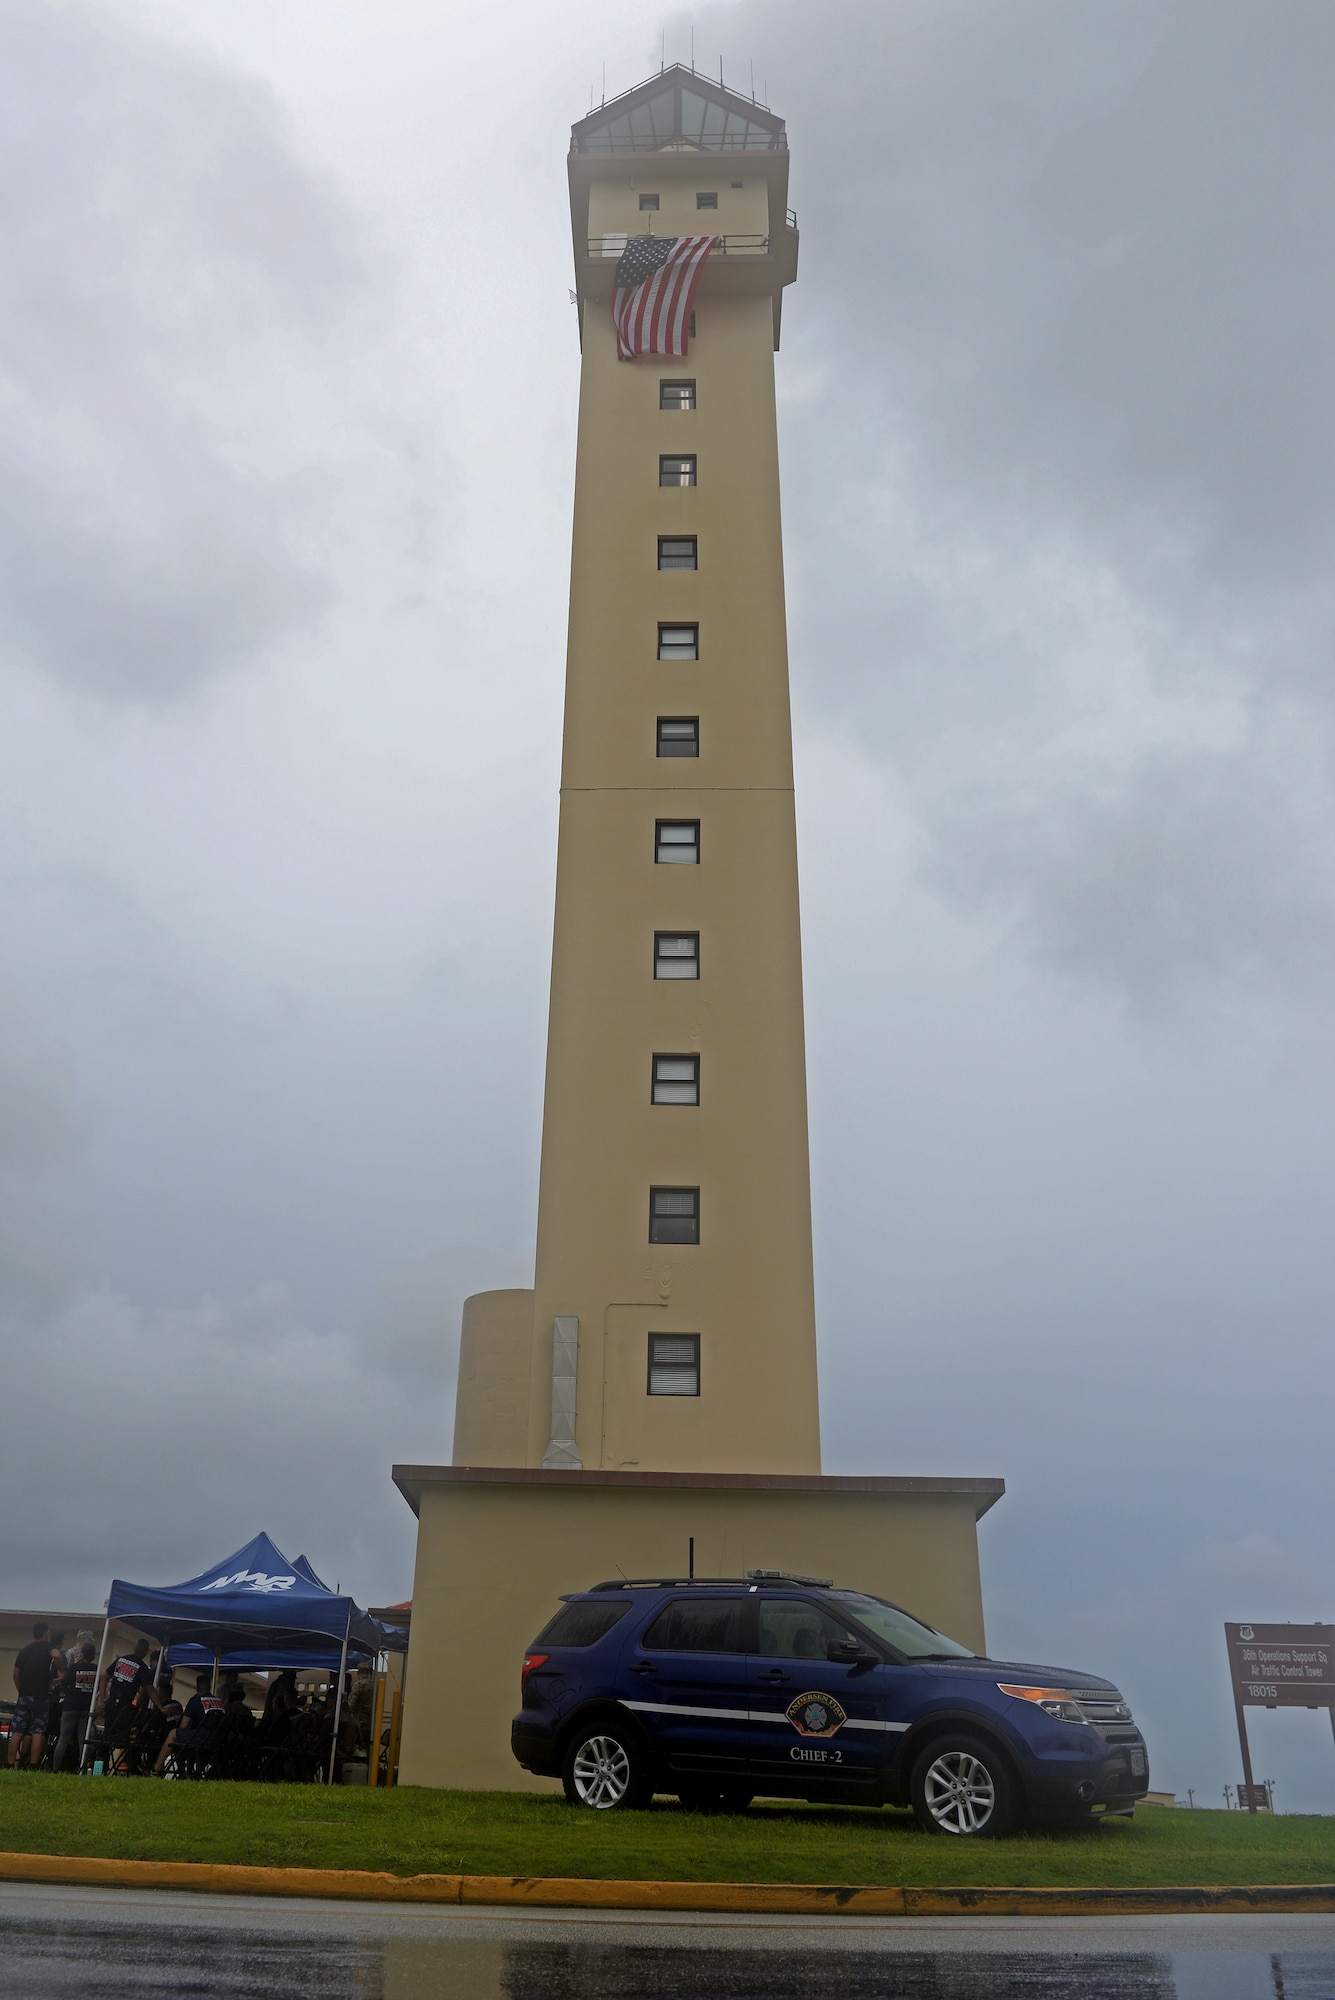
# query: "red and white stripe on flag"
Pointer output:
{"type": "Point", "coordinates": [655, 317]}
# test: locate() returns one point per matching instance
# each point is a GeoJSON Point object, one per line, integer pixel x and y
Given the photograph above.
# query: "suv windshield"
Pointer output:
{"type": "Point", "coordinates": [907, 1635]}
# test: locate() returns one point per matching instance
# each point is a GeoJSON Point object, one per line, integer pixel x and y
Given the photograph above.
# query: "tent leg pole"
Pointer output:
{"type": "Point", "coordinates": [338, 1698]}
{"type": "Point", "coordinates": [92, 1706]}
{"type": "Point", "coordinates": [377, 1718]}
{"type": "Point", "coordinates": [217, 1669]}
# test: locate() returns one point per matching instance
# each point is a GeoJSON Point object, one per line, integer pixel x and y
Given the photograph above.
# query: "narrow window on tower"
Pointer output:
{"type": "Point", "coordinates": [706, 201]}
{"type": "Point", "coordinates": [677, 552]}
{"type": "Point", "coordinates": [679, 642]}
{"type": "Point", "coordinates": [676, 1080]}
{"type": "Point", "coordinates": [679, 736]}
{"type": "Point", "coordinates": [648, 202]}
{"type": "Point", "coordinates": [676, 395]}
{"type": "Point", "coordinates": [676, 954]}
{"type": "Point", "coordinates": [677, 840]}
{"type": "Point", "coordinates": [674, 1364]}
{"type": "Point", "coordinates": [674, 471]}
{"type": "Point", "coordinates": [674, 1215]}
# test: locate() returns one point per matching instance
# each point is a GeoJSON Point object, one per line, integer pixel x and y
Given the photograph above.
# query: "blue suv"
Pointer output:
{"type": "Point", "coordinates": [785, 1687]}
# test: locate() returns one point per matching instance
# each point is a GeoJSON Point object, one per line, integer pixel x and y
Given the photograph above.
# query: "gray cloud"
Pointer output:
{"type": "Point", "coordinates": [169, 260]}
{"type": "Point", "coordinates": [44, 1123]}
{"type": "Point", "coordinates": [234, 1413]}
{"type": "Point", "coordinates": [1058, 458]}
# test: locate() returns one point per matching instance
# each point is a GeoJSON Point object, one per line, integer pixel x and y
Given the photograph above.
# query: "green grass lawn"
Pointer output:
{"type": "Point", "coordinates": [411, 1832]}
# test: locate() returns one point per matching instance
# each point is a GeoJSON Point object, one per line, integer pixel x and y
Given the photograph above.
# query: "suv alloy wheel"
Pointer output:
{"type": "Point", "coordinates": [605, 1769]}
{"type": "Point", "coordinates": [962, 1786]}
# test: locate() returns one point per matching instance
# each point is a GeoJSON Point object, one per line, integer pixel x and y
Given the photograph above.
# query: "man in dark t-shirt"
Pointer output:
{"type": "Point", "coordinates": [80, 1684]}
{"type": "Point", "coordinates": [128, 1676]}
{"type": "Point", "coordinates": [32, 1684]}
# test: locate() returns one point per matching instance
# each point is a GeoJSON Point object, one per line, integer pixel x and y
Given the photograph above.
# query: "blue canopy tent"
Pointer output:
{"type": "Point", "coordinates": [255, 1609]}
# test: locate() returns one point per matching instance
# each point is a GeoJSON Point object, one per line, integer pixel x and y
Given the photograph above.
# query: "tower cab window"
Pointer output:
{"type": "Point", "coordinates": [676, 471]}
{"type": "Point", "coordinates": [706, 201]}
{"type": "Point", "coordinates": [677, 552]}
{"type": "Point", "coordinates": [676, 395]}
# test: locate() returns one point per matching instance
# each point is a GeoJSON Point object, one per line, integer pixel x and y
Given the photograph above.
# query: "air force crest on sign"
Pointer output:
{"type": "Point", "coordinates": [815, 1715]}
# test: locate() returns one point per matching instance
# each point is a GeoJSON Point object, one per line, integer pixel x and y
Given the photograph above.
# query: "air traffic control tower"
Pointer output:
{"type": "Point", "coordinates": [652, 1402]}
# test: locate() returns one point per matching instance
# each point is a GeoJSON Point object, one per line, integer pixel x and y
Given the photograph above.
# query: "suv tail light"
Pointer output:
{"type": "Point", "coordinates": [531, 1660]}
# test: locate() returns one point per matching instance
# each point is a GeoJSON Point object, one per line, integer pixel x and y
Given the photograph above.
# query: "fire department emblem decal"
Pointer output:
{"type": "Point", "coordinates": [815, 1715]}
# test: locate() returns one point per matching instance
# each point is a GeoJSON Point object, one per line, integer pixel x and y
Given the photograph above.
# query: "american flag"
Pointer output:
{"type": "Point", "coordinates": [655, 283]}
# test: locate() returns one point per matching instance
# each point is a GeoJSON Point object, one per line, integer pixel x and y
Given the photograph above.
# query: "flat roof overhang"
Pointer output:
{"type": "Point", "coordinates": [984, 1493]}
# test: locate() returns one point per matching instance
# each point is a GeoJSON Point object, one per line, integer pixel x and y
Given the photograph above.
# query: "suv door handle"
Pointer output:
{"type": "Point", "coordinates": [773, 1674]}
{"type": "Point", "coordinates": [643, 1667]}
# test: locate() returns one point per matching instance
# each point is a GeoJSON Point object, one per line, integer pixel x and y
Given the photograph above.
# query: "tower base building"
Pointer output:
{"type": "Point", "coordinates": [650, 1407]}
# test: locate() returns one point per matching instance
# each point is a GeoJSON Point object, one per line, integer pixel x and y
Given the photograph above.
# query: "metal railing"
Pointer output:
{"type": "Point", "coordinates": [613, 242]}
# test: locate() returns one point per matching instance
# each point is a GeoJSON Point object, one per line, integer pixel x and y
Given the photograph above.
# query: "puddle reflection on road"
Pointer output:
{"type": "Point", "coordinates": [97, 1961]}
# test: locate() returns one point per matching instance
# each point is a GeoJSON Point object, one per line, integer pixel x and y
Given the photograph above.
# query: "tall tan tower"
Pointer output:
{"type": "Point", "coordinates": [652, 1402]}
{"type": "Point", "coordinates": [674, 1217]}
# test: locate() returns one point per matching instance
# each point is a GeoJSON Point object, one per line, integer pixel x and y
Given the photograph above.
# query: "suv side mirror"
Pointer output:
{"type": "Point", "coordinates": [845, 1651]}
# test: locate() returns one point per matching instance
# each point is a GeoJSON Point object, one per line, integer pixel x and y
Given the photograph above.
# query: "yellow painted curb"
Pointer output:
{"type": "Point", "coordinates": [786, 1899]}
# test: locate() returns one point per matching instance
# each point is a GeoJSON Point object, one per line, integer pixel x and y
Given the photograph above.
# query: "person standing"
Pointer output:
{"type": "Point", "coordinates": [75, 1653]}
{"type": "Point", "coordinates": [56, 1692]}
{"type": "Point", "coordinates": [32, 1684]}
{"type": "Point", "coordinates": [80, 1682]}
{"type": "Point", "coordinates": [125, 1679]}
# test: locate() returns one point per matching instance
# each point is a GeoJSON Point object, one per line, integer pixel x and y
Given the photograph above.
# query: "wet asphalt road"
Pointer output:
{"type": "Point", "coordinates": [110, 1944]}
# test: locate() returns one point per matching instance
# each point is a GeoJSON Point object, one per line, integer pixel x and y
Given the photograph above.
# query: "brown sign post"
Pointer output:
{"type": "Point", "coordinates": [1278, 1666]}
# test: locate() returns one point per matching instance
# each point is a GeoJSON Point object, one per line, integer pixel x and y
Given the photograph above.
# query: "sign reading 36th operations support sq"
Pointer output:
{"type": "Point", "coordinates": [1282, 1666]}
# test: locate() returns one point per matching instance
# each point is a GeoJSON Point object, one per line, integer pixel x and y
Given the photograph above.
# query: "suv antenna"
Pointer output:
{"type": "Point", "coordinates": [691, 1558]}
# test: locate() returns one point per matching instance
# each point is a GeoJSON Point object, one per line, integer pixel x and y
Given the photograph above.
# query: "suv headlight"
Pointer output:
{"type": "Point", "coordinates": [1059, 1703]}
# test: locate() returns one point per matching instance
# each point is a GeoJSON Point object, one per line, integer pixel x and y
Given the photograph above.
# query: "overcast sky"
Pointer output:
{"type": "Point", "coordinates": [287, 401]}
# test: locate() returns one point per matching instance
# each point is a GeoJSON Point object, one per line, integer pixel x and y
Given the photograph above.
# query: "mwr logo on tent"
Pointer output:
{"type": "Point", "coordinates": [247, 1579]}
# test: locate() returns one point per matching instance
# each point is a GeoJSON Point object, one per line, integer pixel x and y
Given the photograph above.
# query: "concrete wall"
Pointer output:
{"type": "Point", "coordinates": [492, 1403]}
{"type": "Point", "coordinates": [492, 1561]}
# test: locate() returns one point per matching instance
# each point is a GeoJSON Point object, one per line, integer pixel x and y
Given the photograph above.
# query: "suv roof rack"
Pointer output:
{"type": "Point", "coordinates": [789, 1576]}
{"type": "Point", "coordinates": [751, 1576]}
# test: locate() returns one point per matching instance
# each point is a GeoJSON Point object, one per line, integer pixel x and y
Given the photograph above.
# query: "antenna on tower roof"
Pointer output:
{"type": "Point", "coordinates": [662, 54]}
{"type": "Point", "coordinates": [720, 72]}
{"type": "Point", "coordinates": [604, 83]}
{"type": "Point", "coordinates": [753, 83]}
{"type": "Point", "coordinates": [692, 51]}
